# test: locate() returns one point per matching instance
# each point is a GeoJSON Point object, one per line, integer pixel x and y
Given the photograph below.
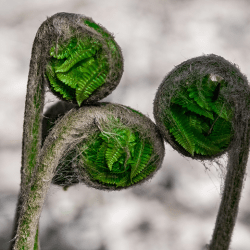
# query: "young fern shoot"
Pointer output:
{"type": "Point", "coordinates": [111, 147]}
{"type": "Point", "coordinates": [80, 66]}
{"type": "Point", "coordinates": [203, 119]}
{"type": "Point", "coordinates": [73, 132]}
{"type": "Point", "coordinates": [102, 60]}
{"type": "Point", "coordinates": [116, 155]}
{"type": "Point", "coordinates": [199, 120]}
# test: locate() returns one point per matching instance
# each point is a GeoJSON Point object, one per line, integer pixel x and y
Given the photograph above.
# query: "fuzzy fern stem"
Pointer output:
{"type": "Point", "coordinates": [32, 205]}
{"type": "Point", "coordinates": [224, 105]}
{"type": "Point", "coordinates": [52, 31]}
{"type": "Point", "coordinates": [67, 134]}
{"type": "Point", "coordinates": [32, 128]}
{"type": "Point", "coordinates": [233, 186]}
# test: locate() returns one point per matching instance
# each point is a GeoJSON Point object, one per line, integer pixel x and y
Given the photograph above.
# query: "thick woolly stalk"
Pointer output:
{"type": "Point", "coordinates": [227, 215]}
{"type": "Point", "coordinates": [203, 118]}
{"type": "Point", "coordinates": [76, 128]}
{"type": "Point", "coordinates": [54, 33]}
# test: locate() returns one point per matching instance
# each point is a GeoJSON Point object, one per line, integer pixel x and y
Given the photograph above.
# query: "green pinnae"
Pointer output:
{"type": "Point", "coordinates": [77, 68]}
{"type": "Point", "coordinates": [199, 120]}
{"type": "Point", "coordinates": [111, 43]}
{"type": "Point", "coordinates": [118, 157]}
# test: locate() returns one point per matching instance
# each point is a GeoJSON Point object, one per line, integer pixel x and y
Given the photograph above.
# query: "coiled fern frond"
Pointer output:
{"type": "Point", "coordinates": [118, 156]}
{"type": "Point", "coordinates": [204, 118]}
{"type": "Point", "coordinates": [198, 121]}
{"type": "Point", "coordinates": [118, 153]}
{"type": "Point", "coordinates": [82, 64]}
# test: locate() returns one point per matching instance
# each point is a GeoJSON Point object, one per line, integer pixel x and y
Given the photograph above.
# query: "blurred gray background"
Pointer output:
{"type": "Point", "coordinates": [177, 209]}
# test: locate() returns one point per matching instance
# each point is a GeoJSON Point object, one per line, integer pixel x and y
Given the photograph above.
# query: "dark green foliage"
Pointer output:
{"type": "Point", "coordinates": [77, 68]}
{"type": "Point", "coordinates": [118, 157]}
{"type": "Point", "coordinates": [96, 27]}
{"type": "Point", "coordinates": [199, 120]}
{"type": "Point", "coordinates": [66, 91]}
{"type": "Point", "coordinates": [80, 66]}
{"type": "Point", "coordinates": [216, 92]}
{"type": "Point", "coordinates": [110, 43]}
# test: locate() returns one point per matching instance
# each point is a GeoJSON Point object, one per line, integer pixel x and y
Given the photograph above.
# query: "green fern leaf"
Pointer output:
{"type": "Point", "coordinates": [94, 84]}
{"type": "Point", "coordinates": [203, 145]}
{"type": "Point", "coordinates": [221, 126]}
{"type": "Point", "coordinates": [58, 86]}
{"type": "Point", "coordinates": [75, 57]}
{"type": "Point", "coordinates": [119, 157]}
{"type": "Point", "coordinates": [181, 131]}
{"type": "Point", "coordinates": [195, 122]}
{"type": "Point", "coordinates": [188, 103]}
{"type": "Point", "coordinates": [100, 158]}
{"type": "Point", "coordinates": [74, 78]}
{"type": "Point", "coordinates": [61, 51]}
{"type": "Point", "coordinates": [224, 111]}
{"type": "Point", "coordinates": [82, 64]}
{"type": "Point", "coordinates": [95, 80]}
{"type": "Point", "coordinates": [144, 173]}
{"type": "Point", "coordinates": [195, 112]}
{"type": "Point", "coordinates": [221, 133]}
{"type": "Point", "coordinates": [131, 144]}
{"type": "Point", "coordinates": [142, 161]}
{"type": "Point", "coordinates": [137, 157]}
{"type": "Point", "coordinates": [112, 155]}
{"type": "Point", "coordinates": [200, 95]}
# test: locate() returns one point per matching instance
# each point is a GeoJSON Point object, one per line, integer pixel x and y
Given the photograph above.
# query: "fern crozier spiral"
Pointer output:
{"type": "Point", "coordinates": [83, 61]}
{"type": "Point", "coordinates": [122, 148]}
{"type": "Point", "coordinates": [197, 103]}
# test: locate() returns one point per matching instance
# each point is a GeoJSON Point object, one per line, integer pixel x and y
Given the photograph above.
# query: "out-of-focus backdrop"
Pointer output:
{"type": "Point", "coordinates": [177, 209]}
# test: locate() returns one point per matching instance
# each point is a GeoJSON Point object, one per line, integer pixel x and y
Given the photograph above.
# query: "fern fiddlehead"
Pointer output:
{"type": "Point", "coordinates": [115, 156]}
{"type": "Point", "coordinates": [203, 118]}
{"type": "Point", "coordinates": [81, 63]}
{"type": "Point", "coordinates": [119, 158]}
{"type": "Point", "coordinates": [66, 33]}
{"type": "Point", "coordinates": [95, 165]}
{"type": "Point", "coordinates": [199, 116]}
{"type": "Point", "coordinates": [197, 120]}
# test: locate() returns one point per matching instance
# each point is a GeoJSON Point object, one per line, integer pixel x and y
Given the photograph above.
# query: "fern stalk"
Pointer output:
{"type": "Point", "coordinates": [39, 164]}
{"type": "Point", "coordinates": [227, 215]}
{"type": "Point", "coordinates": [187, 90]}
{"type": "Point", "coordinates": [73, 129]}
{"type": "Point", "coordinates": [32, 206]}
{"type": "Point", "coordinates": [57, 28]}
{"type": "Point", "coordinates": [31, 142]}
